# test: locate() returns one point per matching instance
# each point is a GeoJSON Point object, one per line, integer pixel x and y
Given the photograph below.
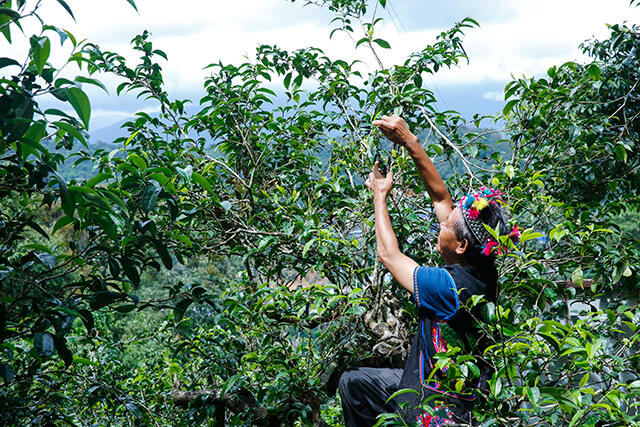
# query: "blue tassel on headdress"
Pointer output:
{"type": "Point", "coordinates": [468, 201]}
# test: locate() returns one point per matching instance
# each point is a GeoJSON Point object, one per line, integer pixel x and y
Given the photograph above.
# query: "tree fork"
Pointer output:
{"type": "Point", "coordinates": [241, 400]}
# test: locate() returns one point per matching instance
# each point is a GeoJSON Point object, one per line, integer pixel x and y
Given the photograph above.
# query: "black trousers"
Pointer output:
{"type": "Point", "coordinates": [364, 393]}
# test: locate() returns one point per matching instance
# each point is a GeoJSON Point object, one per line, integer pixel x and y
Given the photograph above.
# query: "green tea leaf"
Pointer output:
{"type": "Point", "coordinates": [43, 344]}
{"type": "Point", "coordinates": [80, 103]}
{"type": "Point", "coordinates": [199, 179]}
{"type": "Point", "coordinates": [97, 179]}
{"type": "Point", "coordinates": [164, 254]}
{"type": "Point", "coordinates": [6, 62]}
{"type": "Point", "coordinates": [40, 50]}
{"type": "Point", "coordinates": [577, 277]}
{"type": "Point", "coordinates": [67, 8]}
{"type": "Point", "coordinates": [382, 43]}
{"type": "Point", "coordinates": [150, 196]}
{"type": "Point", "coordinates": [133, 4]}
{"type": "Point", "coordinates": [62, 222]}
{"type": "Point", "coordinates": [93, 82]}
{"type": "Point", "coordinates": [9, 12]}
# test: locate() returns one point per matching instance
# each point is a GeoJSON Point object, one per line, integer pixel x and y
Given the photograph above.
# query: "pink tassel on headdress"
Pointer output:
{"type": "Point", "coordinates": [495, 193]}
{"type": "Point", "coordinates": [515, 233]}
{"type": "Point", "coordinates": [473, 213]}
{"type": "Point", "coordinates": [488, 247]}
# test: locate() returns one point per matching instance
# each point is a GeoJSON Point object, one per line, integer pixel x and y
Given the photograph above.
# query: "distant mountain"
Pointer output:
{"type": "Point", "coordinates": [108, 133]}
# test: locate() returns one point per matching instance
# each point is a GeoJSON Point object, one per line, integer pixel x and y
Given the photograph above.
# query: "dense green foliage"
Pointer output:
{"type": "Point", "coordinates": [220, 267]}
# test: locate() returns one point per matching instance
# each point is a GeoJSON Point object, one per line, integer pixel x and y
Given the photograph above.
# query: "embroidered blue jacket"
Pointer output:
{"type": "Point", "coordinates": [441, 293]}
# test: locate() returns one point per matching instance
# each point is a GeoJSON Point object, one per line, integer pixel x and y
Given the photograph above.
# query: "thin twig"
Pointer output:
{"type": "Point", "coordinates": [448, 141]}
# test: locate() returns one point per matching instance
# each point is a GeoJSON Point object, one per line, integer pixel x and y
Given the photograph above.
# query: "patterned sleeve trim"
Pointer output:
{"type": "Point", "coordinates": [416, 297]}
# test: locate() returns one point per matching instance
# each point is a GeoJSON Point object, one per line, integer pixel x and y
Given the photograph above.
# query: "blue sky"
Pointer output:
{"type": "Point", "coordinates": [516, 38]}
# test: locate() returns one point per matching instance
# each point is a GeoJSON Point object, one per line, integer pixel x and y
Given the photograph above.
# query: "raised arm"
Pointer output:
{"type": "Point", "coordinates": [396, 130]}
{"type": "Point", "coordinates": [399, 265]}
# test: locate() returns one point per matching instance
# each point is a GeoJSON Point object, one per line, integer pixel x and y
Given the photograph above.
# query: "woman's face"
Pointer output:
{"type": "Point", "coordinates": [448, 244]}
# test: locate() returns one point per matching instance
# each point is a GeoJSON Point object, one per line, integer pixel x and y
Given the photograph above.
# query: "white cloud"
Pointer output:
{"type": "Point", "coordinates": [544, 33]}
{"type": "Point", "coordinates": [103, 117]}
{"type": "Point", "coordinates": [528, 36]}
{"type": "Point", "coordinates": [493, 96]}
{"type": "Point", "coordinates": [102, 112]}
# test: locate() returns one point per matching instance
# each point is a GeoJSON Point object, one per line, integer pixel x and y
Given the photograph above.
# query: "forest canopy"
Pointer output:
{"type": "Point", "coordinates": [218, 265]}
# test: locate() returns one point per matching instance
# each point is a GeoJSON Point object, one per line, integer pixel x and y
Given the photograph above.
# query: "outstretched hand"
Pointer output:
{"type": "Point", "coordinates": [378, 183]}
{"type": "Point", "coordinates": [396, 129]}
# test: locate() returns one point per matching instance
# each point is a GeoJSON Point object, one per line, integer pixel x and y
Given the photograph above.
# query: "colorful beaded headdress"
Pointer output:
{"type": "Point", "coordinates": [471, 206]}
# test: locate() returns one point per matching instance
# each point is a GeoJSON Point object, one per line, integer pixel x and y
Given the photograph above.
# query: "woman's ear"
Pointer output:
{"type": "Point", "coordinates": [463, 245]}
